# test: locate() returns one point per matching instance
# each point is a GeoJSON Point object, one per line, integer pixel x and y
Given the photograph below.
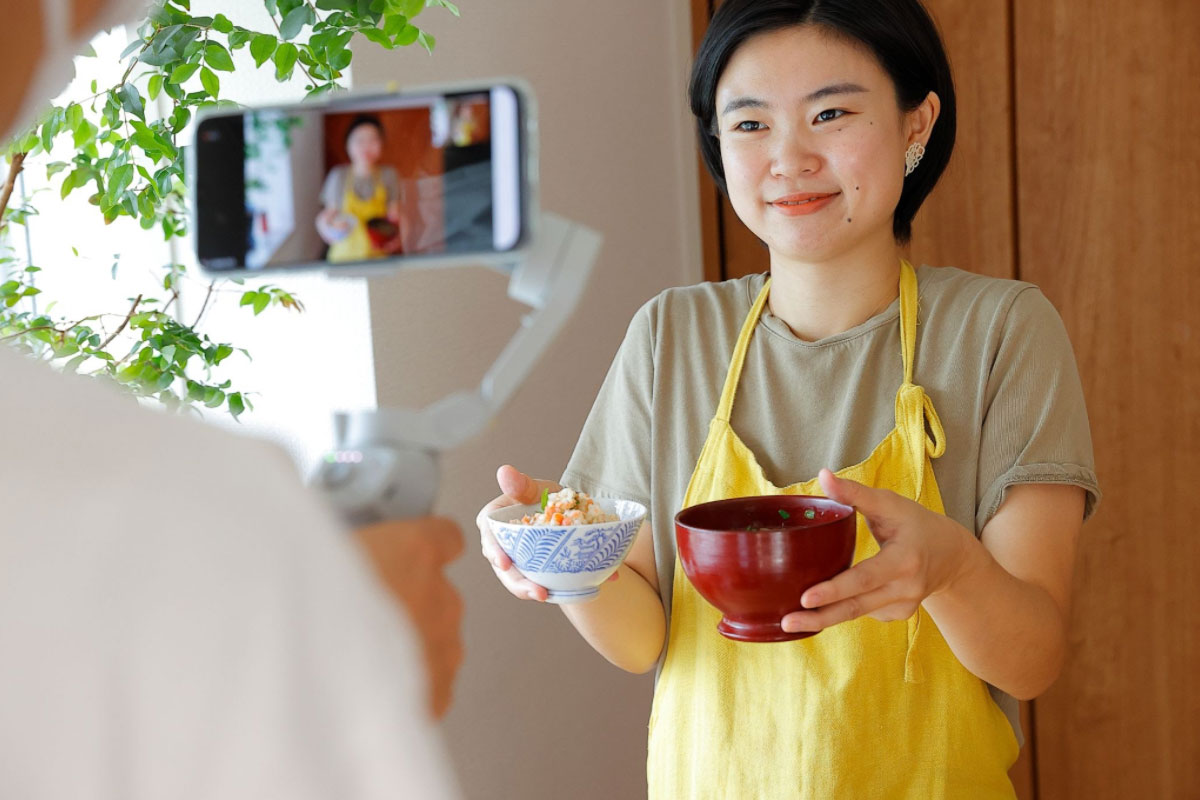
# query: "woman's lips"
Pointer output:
{"type": "Point", "coordinates": [796, 205]}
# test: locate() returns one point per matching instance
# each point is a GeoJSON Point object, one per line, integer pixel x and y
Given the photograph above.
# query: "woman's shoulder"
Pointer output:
{"type": "Point", "coordinates": [953, 291]}
{"type": "Point", "coordinates": [961, 308]}
{"type": "Point", "coordinates": [709, 299]}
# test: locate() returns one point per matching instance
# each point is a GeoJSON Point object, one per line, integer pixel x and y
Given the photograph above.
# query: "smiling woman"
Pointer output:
{"type": "Point", "coordinates": [945, 407]}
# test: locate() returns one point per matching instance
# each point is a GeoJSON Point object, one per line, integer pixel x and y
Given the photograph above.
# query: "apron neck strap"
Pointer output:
{"type": "Point", "coordinates": [908, 336]}
{"type": "Point", "coordinates": [734, 375]}
{"type": "Point", "coordinates": [908, 318]}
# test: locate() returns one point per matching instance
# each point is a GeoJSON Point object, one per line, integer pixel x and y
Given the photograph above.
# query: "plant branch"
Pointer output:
{"type": "Point", "coordinates": [204, 305]}
{"type": "Point", "coordinates": [124, 322]}
{"type": "Point", "coordinates": [10, 181]}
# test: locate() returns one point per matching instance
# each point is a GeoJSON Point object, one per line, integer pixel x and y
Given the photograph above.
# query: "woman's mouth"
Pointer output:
{"type": "Point", "coordinates": [794, 205]}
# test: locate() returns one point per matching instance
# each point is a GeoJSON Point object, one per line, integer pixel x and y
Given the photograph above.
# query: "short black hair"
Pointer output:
{"type": "Point", "coordinates": [358, 122]}
{"type": "Point", "coordinates": [899, 33]}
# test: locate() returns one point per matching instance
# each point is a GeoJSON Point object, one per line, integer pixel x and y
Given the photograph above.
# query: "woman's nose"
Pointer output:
{"type": "Point", "coordinates": [794, 156]}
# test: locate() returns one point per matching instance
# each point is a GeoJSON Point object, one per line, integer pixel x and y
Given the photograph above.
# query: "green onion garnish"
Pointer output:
{"type": "Point", "coordinates": [545, 498]}
{"type": "Point", "coordinates": [784, 514]}
{"type": "Point", "coordinates": [810, 514]}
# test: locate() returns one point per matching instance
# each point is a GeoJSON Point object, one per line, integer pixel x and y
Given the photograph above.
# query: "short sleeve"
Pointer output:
{"type": "Point", "coordinates": [1035, 426]}
{"type": "Point", "coordinates": [612, 456]}
{"type": "Point", "coordinates": [334, 188]}
{"type": "Point", "coordinates": [391, 183]}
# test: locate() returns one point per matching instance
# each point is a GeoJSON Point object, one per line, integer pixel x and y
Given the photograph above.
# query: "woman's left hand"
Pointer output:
{"type": "Point", "coordinates": [920, 553]}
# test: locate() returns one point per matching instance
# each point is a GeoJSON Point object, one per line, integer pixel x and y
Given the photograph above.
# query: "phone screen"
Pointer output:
{"type": "Point", "coordinates": [354, 182]}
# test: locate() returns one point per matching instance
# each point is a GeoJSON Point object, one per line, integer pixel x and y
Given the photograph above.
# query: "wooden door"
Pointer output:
{"type": "Point", "coordinates": [1108, 166]}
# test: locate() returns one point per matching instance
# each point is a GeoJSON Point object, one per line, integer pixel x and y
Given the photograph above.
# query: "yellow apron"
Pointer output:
{"type": "Point", "coordinates": [865, 709]}
{"type": "Point", "coordinates": [357, 244]}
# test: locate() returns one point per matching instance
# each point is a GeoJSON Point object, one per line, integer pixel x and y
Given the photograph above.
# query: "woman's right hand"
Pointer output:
{"type": "Point", "coordinates": [517, 489]}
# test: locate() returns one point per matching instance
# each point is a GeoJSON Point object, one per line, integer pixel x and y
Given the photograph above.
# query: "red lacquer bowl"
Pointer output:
{"type": "Point", "coordinates": [753, 563]}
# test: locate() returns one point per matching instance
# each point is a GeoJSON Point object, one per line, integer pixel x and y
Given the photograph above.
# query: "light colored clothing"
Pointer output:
{"type": "Point", "coordinates": [862, 709]}
{"type": "Point", "coordinates": [180, 618]}
{"type": "Point", "coordinates": [993, 356]}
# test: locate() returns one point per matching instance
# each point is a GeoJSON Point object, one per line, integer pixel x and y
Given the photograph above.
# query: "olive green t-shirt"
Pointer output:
{"type": "Point", "coordinates": [992, 354]}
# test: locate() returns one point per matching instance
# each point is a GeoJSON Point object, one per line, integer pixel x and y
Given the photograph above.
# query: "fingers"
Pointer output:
{"type": "Point", "coordinates": [520, 586]}
{"type": "Point", "coordinates": [879, 506]}
{"type": "Point", "coordinates": [520, 487]}
{"type": "Point", "coordinates": [487, 541]}
{"type": "Point", "coordinates": [872, 603]}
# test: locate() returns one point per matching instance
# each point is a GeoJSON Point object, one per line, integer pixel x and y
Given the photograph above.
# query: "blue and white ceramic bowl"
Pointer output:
{"type": "Point", "coordinates": [571, 561]}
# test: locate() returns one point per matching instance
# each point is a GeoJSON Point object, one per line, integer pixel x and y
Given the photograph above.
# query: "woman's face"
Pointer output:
{"type": "Point", "coordinates": [813, 142]}
{"type": "Point", "coordinates": [365, 145]}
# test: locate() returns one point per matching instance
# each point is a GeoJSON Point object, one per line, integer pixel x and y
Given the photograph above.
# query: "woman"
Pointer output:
{"type": "Point", "coordinates": [949, 403]}
{"type": "Point", "coordinates": [361, 218]}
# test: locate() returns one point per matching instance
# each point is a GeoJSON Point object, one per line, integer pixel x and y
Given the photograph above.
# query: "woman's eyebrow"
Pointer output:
{"type": "Point", "coordinates": [738, 103]}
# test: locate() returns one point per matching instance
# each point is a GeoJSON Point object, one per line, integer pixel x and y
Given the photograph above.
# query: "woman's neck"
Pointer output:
{"type": "Point", "coordinates": [362, 170]}
{"type": "Point", "coordinates": [823, 299]}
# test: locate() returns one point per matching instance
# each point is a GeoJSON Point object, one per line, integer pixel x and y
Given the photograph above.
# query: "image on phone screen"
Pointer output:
{"type": "Point", "coordinates": [353, 183]}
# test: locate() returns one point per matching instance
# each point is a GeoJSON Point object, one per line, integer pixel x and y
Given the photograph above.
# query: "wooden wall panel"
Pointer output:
{"type": "Point", "coordinates": [1109, 197]}
{"type": "Point", "coordinates": [967, 221]}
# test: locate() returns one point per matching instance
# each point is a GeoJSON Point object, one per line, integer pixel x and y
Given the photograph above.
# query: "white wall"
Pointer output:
{"type": "Point", "coordinates": [538, 713]}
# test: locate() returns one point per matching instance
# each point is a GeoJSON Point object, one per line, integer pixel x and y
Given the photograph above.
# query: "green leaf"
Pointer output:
{"type": "Point", "coordinates": [261, 301]}
{"type": "Point", "coordinates": [427, 41]}
{"type": "Point", "coordinates": [183, 72]}
{"type": "Point", "coordinates": [407, 36]}
{"type": "Point", "coordinates": [195, 391]}
{"type": "Point", "coordinates": [285, 59]}
{"type": "Point", "coordinates": [218, 57]}
{"type": "Point", "coordinates": [213, 398]}
{"type": "Point", "coordinates": [393, 24]}
{"type": "Point", "coordinates": [236, 405]}
{"type": "Point", "coordinates": [120, 179]}
{"type": "Point", "coordinates": [131, 100]}
{"type": "Point", "coordinates": [155, 86]}
{"type": "Point", "coordinates": [248, 298]}
{"type": "Point", "coordinates": [239, 38]}
{"type": "Point", "coordinates": [209, 81]}
{"type": "Point", "coordinates": [336, 5]}
{"type": "Point", "coordinates": [9, 288]}
{"type": "Point", "coordinates": [294, 22]}
{"type": "Point", "coordinates": [221, 23]}
{"type": "Point", "coordinates": [223, 352]}
{"type": "Point", "coordinates": [261, 48]}
{"type": "Point", "coordinates": [409, 8]}
{"type": "Point", "coordinates": [378, 37]}
{"type": "Point", "coordinates": [85, 133]}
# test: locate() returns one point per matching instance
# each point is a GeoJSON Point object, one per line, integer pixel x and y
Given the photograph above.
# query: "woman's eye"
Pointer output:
{"type": "Point", "coordinates": [829, 115]}
{"type": "Point", "coordinates": [748, 126]}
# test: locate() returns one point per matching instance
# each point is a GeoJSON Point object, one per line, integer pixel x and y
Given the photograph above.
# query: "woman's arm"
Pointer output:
{"type": "Point", "coordinates": [1002, 601]}
{"type": "Point", "coordinates": [626, 624]}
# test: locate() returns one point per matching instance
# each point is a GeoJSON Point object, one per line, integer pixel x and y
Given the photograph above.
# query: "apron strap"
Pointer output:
{"type": "Point", "coordinates": [734, 375]}
{"type": "Point", "coordinates": [908, 318]}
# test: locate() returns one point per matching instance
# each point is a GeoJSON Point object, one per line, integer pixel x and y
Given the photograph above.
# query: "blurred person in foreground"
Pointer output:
{"type": "Point", "coordinates": [152, 649]}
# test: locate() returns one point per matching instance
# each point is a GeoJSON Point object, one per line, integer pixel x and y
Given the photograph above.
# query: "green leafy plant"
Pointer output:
{"type": "Point", "coordinates": [128, 161]}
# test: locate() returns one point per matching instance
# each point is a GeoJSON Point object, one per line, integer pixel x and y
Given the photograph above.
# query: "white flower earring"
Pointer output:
{"type": "Point", "coordinates": [912, 157]}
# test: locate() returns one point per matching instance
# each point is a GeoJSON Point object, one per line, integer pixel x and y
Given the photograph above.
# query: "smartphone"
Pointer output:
{"type": "Point", "coordinates": [364, 180]}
